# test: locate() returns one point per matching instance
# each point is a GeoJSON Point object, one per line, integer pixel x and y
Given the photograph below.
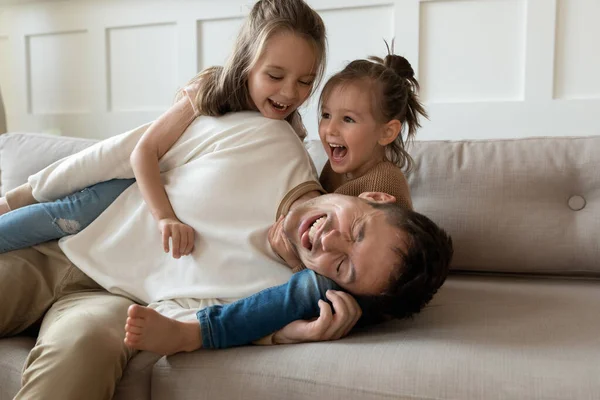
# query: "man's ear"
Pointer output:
{"type": "Point", "coordinates": [377, 197]}
{"type": "Point", "coordinates": [391, 130]}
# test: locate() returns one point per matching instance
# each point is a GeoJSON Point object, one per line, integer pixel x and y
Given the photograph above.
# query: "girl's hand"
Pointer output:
{"type": "Point", "coordinates": [4, 208]}
{"type": "Point", "coordinates": [182, 236]}
{"type": "Point", "coordinates": [282, 246]}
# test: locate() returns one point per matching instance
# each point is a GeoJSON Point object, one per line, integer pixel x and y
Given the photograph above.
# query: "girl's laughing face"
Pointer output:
{"type": "Point", "coordinates": [349, 132]}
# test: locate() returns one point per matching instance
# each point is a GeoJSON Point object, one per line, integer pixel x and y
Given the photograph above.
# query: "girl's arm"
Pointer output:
{"type": "Point", "coordinates": [155, 142]}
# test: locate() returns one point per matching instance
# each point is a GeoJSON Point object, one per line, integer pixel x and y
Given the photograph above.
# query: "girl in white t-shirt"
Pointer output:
{"type": "Point", "coordinates": [277, 60]}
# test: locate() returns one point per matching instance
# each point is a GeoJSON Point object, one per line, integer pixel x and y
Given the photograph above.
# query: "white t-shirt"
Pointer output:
{"type": "Point", "coordinates": [226, 177]}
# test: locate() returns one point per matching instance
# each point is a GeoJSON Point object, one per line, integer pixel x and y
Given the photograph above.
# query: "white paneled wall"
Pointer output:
{"type": "Point", "coordinates": [488, 68]}
{"type": "Point", "coordinates": [577, 50]}
{"type": "Point", "coordinates": [472, 50]}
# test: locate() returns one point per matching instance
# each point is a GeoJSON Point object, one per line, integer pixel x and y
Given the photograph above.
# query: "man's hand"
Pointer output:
{"type": "Point", "coordinates": [182, 236]}
{"type": "Point", "coordinates": [281, 246]}
{"type": "Point", "coordinates": [4, 208]}
{"type": "Point", "coordinates": [328, 326]}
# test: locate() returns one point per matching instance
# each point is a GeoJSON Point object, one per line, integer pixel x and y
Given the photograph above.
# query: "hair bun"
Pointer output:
{"type": "Point", "coordinates": [400, 65]}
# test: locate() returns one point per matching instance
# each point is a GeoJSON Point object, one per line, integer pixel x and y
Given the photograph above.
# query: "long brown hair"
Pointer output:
{"type": "Point", "coordinates": [225, 89]}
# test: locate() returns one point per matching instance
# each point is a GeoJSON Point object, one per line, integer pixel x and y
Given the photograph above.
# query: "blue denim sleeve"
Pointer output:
{"type": "Point", "coordinates": [265, 312]}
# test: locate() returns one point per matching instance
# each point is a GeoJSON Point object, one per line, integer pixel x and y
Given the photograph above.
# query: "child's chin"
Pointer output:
{"type": "Point", "coordinates": [338, 169]}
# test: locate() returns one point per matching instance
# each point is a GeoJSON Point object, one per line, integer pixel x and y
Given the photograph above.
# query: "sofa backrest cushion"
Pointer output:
{"type": "Point", "coordinates": [512, 206]}
{"type": "Point", "coordinates": [518, 206]}
{"type": "Point", "coordinates": [24, 154]}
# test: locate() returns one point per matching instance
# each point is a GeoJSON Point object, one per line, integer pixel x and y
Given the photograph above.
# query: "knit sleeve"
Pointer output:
{"type": "Point", "coordinates": [325, 178]}
{"type": "Point", "coordinates": [385, 177]}
{"type": "Point", "coordinates": [388, 178]}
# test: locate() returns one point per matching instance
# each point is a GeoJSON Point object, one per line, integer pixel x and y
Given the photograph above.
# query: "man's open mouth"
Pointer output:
{"type": "Point", "coordinates": [309, 230]}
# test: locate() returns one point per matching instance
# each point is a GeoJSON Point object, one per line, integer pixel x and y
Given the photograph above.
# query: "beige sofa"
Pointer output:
{"type": "Point", "coordinates": [522, 320]}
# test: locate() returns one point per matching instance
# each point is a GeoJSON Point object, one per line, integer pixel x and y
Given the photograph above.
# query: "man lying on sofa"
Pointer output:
{"type": "Point", "coordinates": [81, 289]}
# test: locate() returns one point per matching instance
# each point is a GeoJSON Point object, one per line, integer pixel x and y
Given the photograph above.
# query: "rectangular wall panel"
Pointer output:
{"type": "Point", "coordinates": [59, 73]}
{"type": "Point", "coordinates": [142, 67]}
{"type": "Point", "coordinates": [5, 72]}
{"type": "Point", "coordinates": [472, 50]}
{"type": "Point", "coordinates": [577, 50]}
{"type": "Point", "coordinates": [215, 40]}
{"type": "Point", "coordinates": [346, 42]}
{"type": "Point", "coordinates": [487, 68]}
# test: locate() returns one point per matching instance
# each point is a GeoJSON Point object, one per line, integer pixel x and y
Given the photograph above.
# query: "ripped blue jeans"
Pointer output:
{"type": "Point", "coordinates": [42, 222]}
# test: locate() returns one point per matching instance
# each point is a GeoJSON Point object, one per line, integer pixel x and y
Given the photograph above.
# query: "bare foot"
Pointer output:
{"type": "Point", "coordinates": [146, 329]}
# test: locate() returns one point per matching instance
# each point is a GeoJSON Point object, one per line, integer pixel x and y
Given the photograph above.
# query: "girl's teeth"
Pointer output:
{"type": "Point", "coordinates": [279, 106]}
{"type": "Point", "coordinates": [338, 151]}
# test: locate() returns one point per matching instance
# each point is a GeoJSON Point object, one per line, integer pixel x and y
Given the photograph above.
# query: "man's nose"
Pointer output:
{"type": "Point", "coordinates": [335, 241]}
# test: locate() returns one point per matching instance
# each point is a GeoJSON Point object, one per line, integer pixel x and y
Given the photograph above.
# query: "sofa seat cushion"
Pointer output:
{"type": "Point", "coordinates": [481, 338]}
{"type": "Point", "coordinates": [134, 385]}
{"type": "Point", "coordinates": [13, 353]}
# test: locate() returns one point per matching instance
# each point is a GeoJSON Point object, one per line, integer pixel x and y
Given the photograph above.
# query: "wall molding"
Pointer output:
{"type": "Point", "coordinates": [488, 68]}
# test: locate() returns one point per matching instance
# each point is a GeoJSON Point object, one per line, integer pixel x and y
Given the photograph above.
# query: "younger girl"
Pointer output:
{"type": "Point", "coordinates": [278, 56]}
{"type": "Point", "coordinates": [365, 110]}
{"type": "Point", "coordinates": [369, 111]}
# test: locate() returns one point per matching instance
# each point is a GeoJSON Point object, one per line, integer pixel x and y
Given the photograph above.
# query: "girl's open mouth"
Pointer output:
{"type": "Point", "coordinates": [338, 152]}
{"type": "Point", "coordinates": [278, 106]}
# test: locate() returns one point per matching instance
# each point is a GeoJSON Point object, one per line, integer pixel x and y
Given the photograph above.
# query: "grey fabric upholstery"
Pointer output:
{"type": "Point", "coordinates": [511, 205]}
{"type": "Point", "coordinates": [40, 150]}
{"type": "Point", "coordinates": [13, 353]}
{"type": "Point", "coordinates": [481, 338]}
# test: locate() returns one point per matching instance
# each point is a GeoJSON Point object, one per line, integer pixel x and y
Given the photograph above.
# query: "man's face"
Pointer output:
{"type": "Point", "coordinates": [347, 240]}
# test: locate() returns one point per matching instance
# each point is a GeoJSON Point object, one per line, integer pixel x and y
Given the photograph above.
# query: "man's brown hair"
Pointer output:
{"type": "Point", "coordinates": [419, 272]}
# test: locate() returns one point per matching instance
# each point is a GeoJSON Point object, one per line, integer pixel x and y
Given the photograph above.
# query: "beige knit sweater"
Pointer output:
{"type": "Point", "coordinates": [384, 177]}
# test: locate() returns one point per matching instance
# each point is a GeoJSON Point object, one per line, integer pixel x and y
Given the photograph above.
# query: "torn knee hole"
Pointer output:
{"type": "Point", "coordinates": [68, 225]}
